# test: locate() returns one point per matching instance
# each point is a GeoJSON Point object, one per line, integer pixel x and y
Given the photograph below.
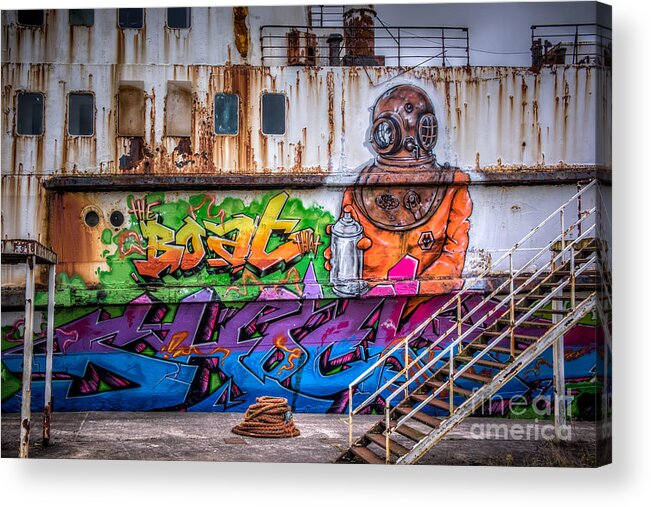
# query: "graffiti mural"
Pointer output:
{"type": "Point", "coordinates": [203, 302]}
{"type": "Point", "coordinates": [174, 242]}
{"type": "Point", "coordinates": [204, 354]}
{"type": "Point", "coordinates": [404, 203]}
{"type": "Point", "coordinates": [234, 244]}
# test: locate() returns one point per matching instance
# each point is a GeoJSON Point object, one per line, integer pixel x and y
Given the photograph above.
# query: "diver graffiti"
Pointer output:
{"type": "Point", "coordinates": [404, 203]}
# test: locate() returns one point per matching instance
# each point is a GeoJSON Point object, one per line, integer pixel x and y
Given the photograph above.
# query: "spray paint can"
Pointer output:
{"type": "Point", "coordinates": [347, 261]}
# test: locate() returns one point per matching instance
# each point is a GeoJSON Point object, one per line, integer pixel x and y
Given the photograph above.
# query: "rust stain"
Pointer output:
{"type": "Point", "coordinates": [78, 246]}
{"type": "Point", "coordinates": [47, 417]}
{"type": "Point", "coordinates": [241, 31]}
{"type": "Point", "coordinates": [330, 84]}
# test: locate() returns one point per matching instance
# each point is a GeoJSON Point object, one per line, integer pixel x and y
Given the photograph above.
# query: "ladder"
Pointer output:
{"type": "Point", "coordinates": [538, 294]}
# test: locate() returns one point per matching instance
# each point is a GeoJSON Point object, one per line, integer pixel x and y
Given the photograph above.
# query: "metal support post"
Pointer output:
{"type": "Point", "coordinates": [406, 368]}
{"type": "Point", "coordinates": [560, 408]}
{"type": "Point", "coordinates": [459, 330]}
{"type": "Point", "coordinates": [387, 434]}
{"type": "Point", "coordinates": [572, 281]}
{"type": "Point", "coordinates": [350, 416]}
{"type": "Point", "coordinates": [47, 408]}
{"type": "Point", "coordinates": [28, 353]}
{"type": "Point", "coordinates": [512, 306]}
{"type": "Point", "coordinates": [451, 386]}
{"type": "Point", "coordinates": [605, 397]}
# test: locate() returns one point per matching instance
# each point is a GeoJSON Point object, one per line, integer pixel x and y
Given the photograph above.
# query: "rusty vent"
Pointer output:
{"type": "Point", "coordinates": [301, 48]}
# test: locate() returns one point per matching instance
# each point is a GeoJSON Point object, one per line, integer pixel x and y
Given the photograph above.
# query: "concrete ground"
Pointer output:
{"type": "Point", "coordinates": [187, 436]}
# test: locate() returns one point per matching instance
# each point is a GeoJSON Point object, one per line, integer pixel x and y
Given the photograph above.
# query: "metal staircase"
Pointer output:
{"type": "Point", "coordinates": [542, 292]}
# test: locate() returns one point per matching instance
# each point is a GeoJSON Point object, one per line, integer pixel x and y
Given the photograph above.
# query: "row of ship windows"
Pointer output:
{"type": "Point", "coordinates": [30, 111]}
{"type": "Point", "coordinates": [177, 17]}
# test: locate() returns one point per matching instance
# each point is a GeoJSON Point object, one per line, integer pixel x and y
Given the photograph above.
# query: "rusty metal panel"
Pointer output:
{"type": "Point", "coordinates": [131, 109]}
{"type": "Point", "coordinates": [178, 109]}
{"type": "Point", "coordinates": [492, 120]}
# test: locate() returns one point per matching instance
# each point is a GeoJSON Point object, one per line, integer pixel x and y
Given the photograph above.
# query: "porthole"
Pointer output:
{"type": "Point", "coordinates": [91, 218]}
{"type": "Point", "coordinates": [116, 218]}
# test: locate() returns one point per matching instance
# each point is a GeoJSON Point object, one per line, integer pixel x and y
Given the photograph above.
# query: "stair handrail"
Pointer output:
{"type": "Point", "coordinates": [494, 341]}
{"type": "Point", "coordinates": [459, 339]}
{"type": "Point", "coordinates": [484, 392]}
{"type": "Point", "coordinates": [474, 280]}
{"type": "Point", "coordinates": [418, 330]}
{"type": "Point", "coordinates": [586, 264]}
{"type": "Point", "coordinates": [449, 350]}
{"type": "Point", "coordinates": [460, 320]}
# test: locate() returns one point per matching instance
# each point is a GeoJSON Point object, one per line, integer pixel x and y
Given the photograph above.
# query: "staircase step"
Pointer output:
{"type": "Point", "coordinates": [394, 447]}
{"type": "Point", "coordinates": [476, 377]}
{"type": "Point", "coordinates": [577, 286]}
{"type": "Point", "coordinates": [434, 402]}
{"type": "Point", "coordinates": [366, 455]}
{"type": "Point", "coordinates": [497, 350]}
{"type": "Point", "coordinates": [432, 422]}
{"type": "Point", "coordinates": [500, 350]}
{"type": "Point", "coordinates": [584, 244]}
{"type": "Point", "coordinates": [481, 362]}
{"type": "Point", "coordinates": [560, 272]}
{"type": "Point", "coordinates": [524, 309]}
{"type": "Point", "coordinates": [528, 323]}
{"type": "Point", "coordinates": [410, 433]}
{"type": "Point", "coordinates": [543, 296]}
{"type": "Point", "coordinates": [435, 384]}
{"type": "Point", "coordinates": [521, 337]}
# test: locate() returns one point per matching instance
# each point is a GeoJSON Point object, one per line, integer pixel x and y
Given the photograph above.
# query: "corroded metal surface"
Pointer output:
{"type": "Point", "coordinates": [235, 181]}
{"type": "Point", "coordinates": [15, 251]}
{"type": "Point", "coordinates": [491, 119]}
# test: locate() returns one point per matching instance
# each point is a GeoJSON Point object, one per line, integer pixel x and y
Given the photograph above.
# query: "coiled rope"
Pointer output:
{"type": "Point", "coordinates": [269, 417]}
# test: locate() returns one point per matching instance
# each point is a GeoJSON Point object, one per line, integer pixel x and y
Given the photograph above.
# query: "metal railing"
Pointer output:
{"type": "Point", "coordinates": [578, 43]}
{"type": "Point", "coordinates": [320, 16]}
{"type": "Point", "coordinates": [396, 46]}
{"type": "Point", "coordinates": [569, 238]}
{"type": "Point", "coordinates": [479, 396]}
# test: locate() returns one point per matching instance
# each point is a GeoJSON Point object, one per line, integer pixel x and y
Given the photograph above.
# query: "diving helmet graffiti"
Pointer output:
{"type": "Point", "coordinates": [405, 129]}
{"type": "Point", "coordinates": [406, 202]}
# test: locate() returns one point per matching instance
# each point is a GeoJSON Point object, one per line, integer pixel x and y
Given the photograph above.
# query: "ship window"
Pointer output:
{"type": "Point", "coordinates": [178, 109]}
{"type": "Point", "coordinates": [131, 109]}
{"type": "Point", "coordinates": [226, 114]}
{"type": "Point", "coordinates": [31, 18]}
{"type": "Point", "coordinates": [273, 113]}
{"type": "Point", "coordinates": [178, 17]}
{"type": "Point", "coordinates": [29, 112]}
{"type": "Point", "coordinates": [117, 218]}
{"type": "Point", "coordinates": [131, 18]}
{"type": "Point", "coordinates": [91, 218]}
{"type": "Point", "coordinates": [81, 114]}
{"type": "Point", "coordinates": [81, 17]}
